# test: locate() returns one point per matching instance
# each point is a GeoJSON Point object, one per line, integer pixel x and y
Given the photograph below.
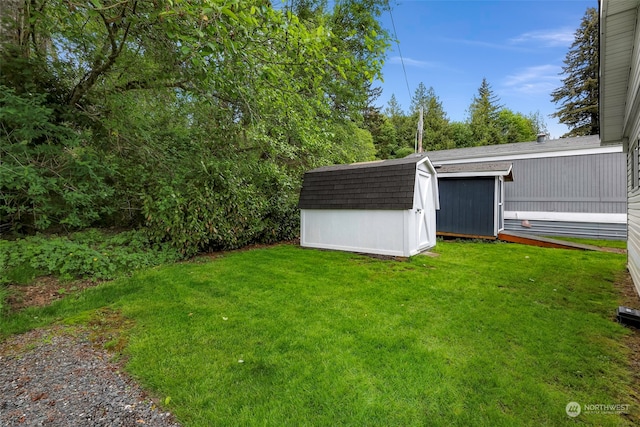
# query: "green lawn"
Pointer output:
{"type": "Point", "coordinates": [618, 244]}
{"type": "Point", "coordinates": [486, 334]}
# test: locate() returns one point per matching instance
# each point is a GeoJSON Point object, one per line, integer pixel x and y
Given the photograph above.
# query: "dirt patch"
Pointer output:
{"type": "Point", "coordinates": [109, 329]}
{"type": "Point", "coordinates": [612, 250]}
{"type": "Point", "coordinates": [629, 298]}
{"type": "Point", "coordinates": [43, 291]}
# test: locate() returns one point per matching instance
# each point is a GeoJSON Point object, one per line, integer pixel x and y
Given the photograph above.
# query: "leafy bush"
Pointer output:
{"type": "Point", "coordinates": [49, 175]}
{"type": "Point", "coordinates": [3, 298]}
{"type": "Point", "coordinates": [90, 254]}
{"type": "Point", "coordinates": [222, 206]}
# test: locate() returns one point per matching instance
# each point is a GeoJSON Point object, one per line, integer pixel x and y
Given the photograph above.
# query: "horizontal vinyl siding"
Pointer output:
{"type": "Point", "coordinates": [633, 230]}
{"type": "Point", "coordinates": [590, 183]}
{"type": "Point", "coordinates": [587, 230]}
{"type": "Point", "coordinates": [632, 127]}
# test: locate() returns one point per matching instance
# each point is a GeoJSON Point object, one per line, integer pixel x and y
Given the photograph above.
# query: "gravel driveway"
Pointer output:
{"type": "Point", "coordinates": [55, 377]}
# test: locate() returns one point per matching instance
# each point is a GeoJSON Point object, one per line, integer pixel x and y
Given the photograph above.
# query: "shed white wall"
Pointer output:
{"type": "Point", "coordinates": [383, 232]}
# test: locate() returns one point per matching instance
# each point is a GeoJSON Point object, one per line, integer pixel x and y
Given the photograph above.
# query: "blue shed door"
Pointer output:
{"type": "Point", "coordinates": [467, 206]}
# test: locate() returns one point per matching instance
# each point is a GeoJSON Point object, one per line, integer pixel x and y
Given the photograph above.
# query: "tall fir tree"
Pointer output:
{"type": "Point", "coordinates": [578, 95]}
{"type": "Point", "coordinates": [405, 131]}
{"type": "Point", "coordinates": [419, 99]}
{"type": "Point", "coordinates": [394, 108]}
{"type": "Point", "coordinates": [484, 117]}
{"type": "Point", "coordinates": [437, 133]}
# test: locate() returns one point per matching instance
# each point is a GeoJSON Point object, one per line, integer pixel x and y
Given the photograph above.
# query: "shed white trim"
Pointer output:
{"type": "Point", "coordinates": [567, 216]}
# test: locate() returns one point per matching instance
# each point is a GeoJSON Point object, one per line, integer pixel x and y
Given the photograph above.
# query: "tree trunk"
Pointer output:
{"type": "Point", "coordinates": [12, 22]}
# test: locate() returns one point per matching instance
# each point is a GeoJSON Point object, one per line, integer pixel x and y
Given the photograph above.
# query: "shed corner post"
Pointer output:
{"type": "Point", "coordinates": [302, 228]}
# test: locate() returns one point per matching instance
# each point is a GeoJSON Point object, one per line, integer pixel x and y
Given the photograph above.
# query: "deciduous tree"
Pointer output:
{"type": "Point", "coordinates": [206, 112]}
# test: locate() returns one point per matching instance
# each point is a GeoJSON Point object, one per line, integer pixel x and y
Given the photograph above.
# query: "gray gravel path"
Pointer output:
{"type": "Point", "coordinates": [57, 378]}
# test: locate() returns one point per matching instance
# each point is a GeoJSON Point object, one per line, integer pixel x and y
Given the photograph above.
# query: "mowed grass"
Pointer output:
{"type": "Point", "coordinates": [618, 244]}
{"type": "Point", "coordinates": [482, 335]}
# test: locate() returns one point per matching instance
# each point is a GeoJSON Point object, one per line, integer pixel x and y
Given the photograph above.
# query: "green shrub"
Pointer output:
{"type": "Point", "coordinates": [90, 254]}
{"type": "Point", "coordinates": [50, 174]}
{"type": "Point", "coordinates": [222, 206]}
{"type": "Point", "coordinates": [3, 297]}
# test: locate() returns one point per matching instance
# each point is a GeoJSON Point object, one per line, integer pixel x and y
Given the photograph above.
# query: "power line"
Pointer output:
{"type": "Point", "coordinates": [395, 35]}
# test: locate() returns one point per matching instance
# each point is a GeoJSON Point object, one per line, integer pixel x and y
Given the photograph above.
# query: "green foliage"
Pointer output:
{"type": "Point", "coordinates": [352, 144]}
{"type": "Point", "coordinates": [403, 133]}
{"type": "Point", "coordinates": [579, 94]}
{"type": "Point", "coordinates": [383, 133]}
{"type": "Point", "coordinates": [516, 127]}
{"type": "Point", "coordinates": [403, 152]}
{"type": "Point", "coordinates": [4, 293]}
{"type": "Point", "coordinates": [393, 109]}
{"type": "Point", "coordinates": [436, 129]}
{"type": "Point", "coordinates": [461, 134]}
{"type": "Point", "coordinates": [538, 122]}
{"type": "Point", "coordinates": [88, 254]}
{"type": "Point", "coordinates": [394, 132]}
{"type": "Point", "coordinates": [221, 205]}
{"type": "Point", "coordinates": [196, 119]}
{"type": "Point", "coordinates": [483, 117]}
{"type": "Point", "coordinates": [49, 174]}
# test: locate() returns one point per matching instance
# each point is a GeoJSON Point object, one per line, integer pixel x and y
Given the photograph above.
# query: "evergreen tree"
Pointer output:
{"type": "Point", "coordinates": [393, 107]}
{"type": "Point", "coordinates": [437, 133]}
{"type": "Point", "coordinates": [539, 124]}
{"type": "Point", "coordinates": [484, 117]}
{"type": "Point", "coordinates": [461, 134]}
{"type": "Point", "coordinates": [420, 99]}
{"type": "Point", "coordinates": [578, 95]}
{"type": "Point", "coordinates": [382, 132]}
{"type": "Point", "coordinates": [404, 130]}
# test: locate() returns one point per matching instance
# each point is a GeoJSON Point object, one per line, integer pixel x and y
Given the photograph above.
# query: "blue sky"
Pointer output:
{"type": "Point", "coordinates": [518, 45]}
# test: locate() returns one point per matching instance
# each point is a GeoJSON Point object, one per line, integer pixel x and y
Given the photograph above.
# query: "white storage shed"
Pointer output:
{"type": "Point", "coordinates": [385, 207]}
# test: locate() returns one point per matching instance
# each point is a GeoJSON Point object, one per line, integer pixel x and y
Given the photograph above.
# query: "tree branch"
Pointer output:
{"type": "Point", "coordinates": [101, 67]}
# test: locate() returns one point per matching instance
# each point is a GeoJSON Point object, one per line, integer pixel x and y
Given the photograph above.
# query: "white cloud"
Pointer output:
{"type": "Point", "coordinates": [537, 80]}
{"type": "Point", "coordinates": [488, 45]}
{"type": "Point", "coordinates": [546, 38]}
{"type": "Point", "coordinates": [410, 62]}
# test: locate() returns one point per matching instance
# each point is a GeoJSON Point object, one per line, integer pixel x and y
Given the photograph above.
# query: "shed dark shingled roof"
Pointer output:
{"type": "Point", "coordinates": [384, 184]}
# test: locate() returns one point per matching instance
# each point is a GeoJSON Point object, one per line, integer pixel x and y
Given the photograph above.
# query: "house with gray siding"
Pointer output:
{"type": "Point", "coordinates": [620, 106]}
{"type": "Point", "coordinates": [566, 187]}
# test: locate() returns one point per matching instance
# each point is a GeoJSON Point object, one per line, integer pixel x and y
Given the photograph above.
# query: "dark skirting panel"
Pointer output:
{"type": "Point", "coordinates": [466, 206]}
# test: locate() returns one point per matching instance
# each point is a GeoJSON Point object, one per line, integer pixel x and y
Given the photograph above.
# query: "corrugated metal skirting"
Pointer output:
{"type": "Point", "coordinates": [587, 230]}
